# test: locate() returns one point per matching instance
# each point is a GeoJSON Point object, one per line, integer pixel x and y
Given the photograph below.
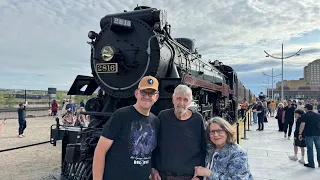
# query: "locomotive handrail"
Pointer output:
{"type": "Point", "coordinates": [186, 50]}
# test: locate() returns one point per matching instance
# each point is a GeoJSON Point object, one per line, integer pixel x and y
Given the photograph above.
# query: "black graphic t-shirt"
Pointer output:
{"type": "Point", "coordinates": [135, 137]}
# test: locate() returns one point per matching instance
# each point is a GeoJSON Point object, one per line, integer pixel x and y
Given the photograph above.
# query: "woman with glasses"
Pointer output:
{"type": "Point", "coordinates": [225, 159]}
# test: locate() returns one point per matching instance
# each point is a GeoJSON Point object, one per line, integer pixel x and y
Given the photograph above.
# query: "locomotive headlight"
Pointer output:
{"type": "Point", "coordinates": [107, 53]}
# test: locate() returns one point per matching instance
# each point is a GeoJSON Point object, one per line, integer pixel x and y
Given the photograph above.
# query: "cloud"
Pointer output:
{"type": "Point", "coordinates": [45, 40]}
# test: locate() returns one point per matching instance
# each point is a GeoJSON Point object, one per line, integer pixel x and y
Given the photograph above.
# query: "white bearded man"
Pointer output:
{"type": "Point", "coordinates": [181, 139]}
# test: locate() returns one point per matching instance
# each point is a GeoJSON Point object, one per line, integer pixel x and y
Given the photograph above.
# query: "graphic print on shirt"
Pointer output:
{"type": "Point", "coordinates": [142, 142]}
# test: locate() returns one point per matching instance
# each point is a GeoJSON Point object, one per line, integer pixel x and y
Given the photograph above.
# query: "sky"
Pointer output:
{"type": "Point", "coordinates": [44, 42]}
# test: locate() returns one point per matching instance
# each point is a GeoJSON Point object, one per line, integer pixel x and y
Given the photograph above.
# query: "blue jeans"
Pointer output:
{"type": "Point", "coordinates": [255, 117]}
{"type": "Point", "coordinates": [309, 142]}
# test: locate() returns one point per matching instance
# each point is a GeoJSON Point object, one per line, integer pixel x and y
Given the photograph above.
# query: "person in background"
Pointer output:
{"type": "Point", "coordinates": [225, 159]}
{"type": "Point", "coordinates": [310, 125]}
{"type": "Point", "coordinates": [255, 114]}
{"type": "Point", "coordinates": [261, 114]}
{"type": "Point", "coordinates": [49, 112]}
{"type": "Point", "coordinates": [296, 142]}
{"type": "Point", "coordinates": [71, 107]}
{"type": "Point", "coordinates": [294, 104]}
{"type": "Point", "coordinates": [68, 118]}
{"type": "Point", "coordinates": [318, 106]}
{"type": "Point", "coordinates": [272, 108]}
{"type": "Point", "coordinates": [54, 107]}
{"type": "Point", "coordinates": [266, 111]}
{"type": "Point", "coordinates": [82, 104]}
{"type": "Point", "coordinates": [269, 107]}
{"type": "Point", "coordinates": [64, 107]}
{"type": "Point", "coordinates": [288, 118]}
{"type": "Point", "coordinates": [22, 120]}
{"type": "Point", "coordinates": [244, 107]}
{"type": "Point", "coordinates": [300, 105]}
{"type": "Point", "coordinates": [3, 123]}
{"type": "Point", "coordinates": [279, 117]}
{"type": "Point", "coordinates": [81, 119]}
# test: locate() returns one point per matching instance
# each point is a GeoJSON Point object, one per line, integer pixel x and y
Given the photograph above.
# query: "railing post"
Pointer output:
{"type": "Point", "coordinates": [249, 120]}
{"type": "Point", "coordinates": [238, 132]}
{"type": "Point", "coordinates": [244, 129]}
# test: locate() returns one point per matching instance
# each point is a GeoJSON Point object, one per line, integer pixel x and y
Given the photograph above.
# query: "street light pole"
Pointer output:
{"type": "Point", "coordinates": [282, 58]}
{"type": "Point", "coordinates": [272, 86]}
{"type": "Point", "coordinates": [282, 74]}
{"type": "Point", "coordinates": [267, 84]}
{"type": "Point", "coordinates": [272, 76]}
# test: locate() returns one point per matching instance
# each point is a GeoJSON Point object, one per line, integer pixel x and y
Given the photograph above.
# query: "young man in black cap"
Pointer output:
{"type": "Point", "coordinates": [128, 138]}
{"type": "Point", "coordinates": [296, 142]}
{"type": "Point", "coordinates": [310, 126]}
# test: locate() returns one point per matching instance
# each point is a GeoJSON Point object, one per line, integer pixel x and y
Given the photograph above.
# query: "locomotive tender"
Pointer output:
{"type": "Point", "coordinates": [129, 46]}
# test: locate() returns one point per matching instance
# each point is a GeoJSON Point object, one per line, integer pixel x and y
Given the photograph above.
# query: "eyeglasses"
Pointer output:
{"type": "Point", "coordinates": [149, 93]}
{"type": "Point", "coordinates": [218, 131]}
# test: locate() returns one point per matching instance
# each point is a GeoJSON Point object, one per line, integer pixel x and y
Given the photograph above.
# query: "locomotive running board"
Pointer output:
{"type": "Point", "coordinates": [80, 82]}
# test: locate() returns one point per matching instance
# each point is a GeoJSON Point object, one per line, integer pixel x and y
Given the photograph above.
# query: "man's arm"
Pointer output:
{"type": "Point", "coordinates": [109, 134]}
{"type": "Point", "coordinates": [301, 129]}
{"type": "Point", "coordinates": [102, 148]}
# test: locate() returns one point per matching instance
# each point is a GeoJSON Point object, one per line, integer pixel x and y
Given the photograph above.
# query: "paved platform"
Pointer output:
{"type": "Point", "coordinates": [268, 153]}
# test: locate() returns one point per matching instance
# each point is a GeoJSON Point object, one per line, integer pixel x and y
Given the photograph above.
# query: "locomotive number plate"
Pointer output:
{"type": "Point", "coordinates": [107, 67]}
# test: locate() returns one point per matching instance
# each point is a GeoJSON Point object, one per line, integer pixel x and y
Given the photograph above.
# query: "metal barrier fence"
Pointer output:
{"type": "Point", "coordinates": [246, 122]}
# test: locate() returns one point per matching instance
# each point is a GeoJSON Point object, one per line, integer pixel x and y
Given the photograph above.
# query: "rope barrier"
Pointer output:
{"type": "Point", "coordinates": [20, 147]}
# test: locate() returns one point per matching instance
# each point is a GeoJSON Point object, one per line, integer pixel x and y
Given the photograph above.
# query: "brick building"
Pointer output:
{"type": "Point", "coordinates": [312, 73]}
{"type": "Point", "coordinates": [292, 84]}
{"type": "Point", "coordinates": [296, 93]}
{"type": "Point", "coordinates": [307, 87]}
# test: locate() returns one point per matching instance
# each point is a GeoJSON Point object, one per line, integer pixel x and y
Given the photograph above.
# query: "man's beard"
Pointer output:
{"type": "Point", "coordinates": [181, 111]}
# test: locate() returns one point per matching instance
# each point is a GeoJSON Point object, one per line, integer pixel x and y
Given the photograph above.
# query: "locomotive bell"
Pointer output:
{"type": "Point", "coordinates": [92, 35]}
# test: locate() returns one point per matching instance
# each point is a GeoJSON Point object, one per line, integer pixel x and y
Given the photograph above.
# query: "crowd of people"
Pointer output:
{"type": "Point", "coordinates": [140, 145]}
{"type": "Point", "coordinates": [71, 115]}
{"type": "Point", "coordinates": [304, 116]}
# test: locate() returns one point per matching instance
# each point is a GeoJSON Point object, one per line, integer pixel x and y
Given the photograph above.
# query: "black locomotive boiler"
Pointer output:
{"type": "Point", "coordinates": [129, 46]}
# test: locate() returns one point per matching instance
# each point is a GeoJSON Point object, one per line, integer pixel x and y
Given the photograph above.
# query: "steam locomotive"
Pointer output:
{"type": "Point", "coordinates": [130, 46]}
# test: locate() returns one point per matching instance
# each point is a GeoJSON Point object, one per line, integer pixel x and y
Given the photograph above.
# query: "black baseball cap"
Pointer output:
{"type": "Point", "coordinates": [299, 111]}
{"type": "Point", "coordinates": [309, 107]}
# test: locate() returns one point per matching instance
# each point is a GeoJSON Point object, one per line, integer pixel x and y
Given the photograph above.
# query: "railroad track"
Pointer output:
{"type": "Point", "coordinates": [27, 109]}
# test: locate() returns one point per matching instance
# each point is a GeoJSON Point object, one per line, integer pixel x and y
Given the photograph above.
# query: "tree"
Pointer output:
{"type": "Point", "coordinates": [60, 95]}
{"type": "Point", "coordinates": [10, 101]}
{"type": "Point", "coordinates": [2, 100]}
{"type": "Point", "coordinates": [79, 98]}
